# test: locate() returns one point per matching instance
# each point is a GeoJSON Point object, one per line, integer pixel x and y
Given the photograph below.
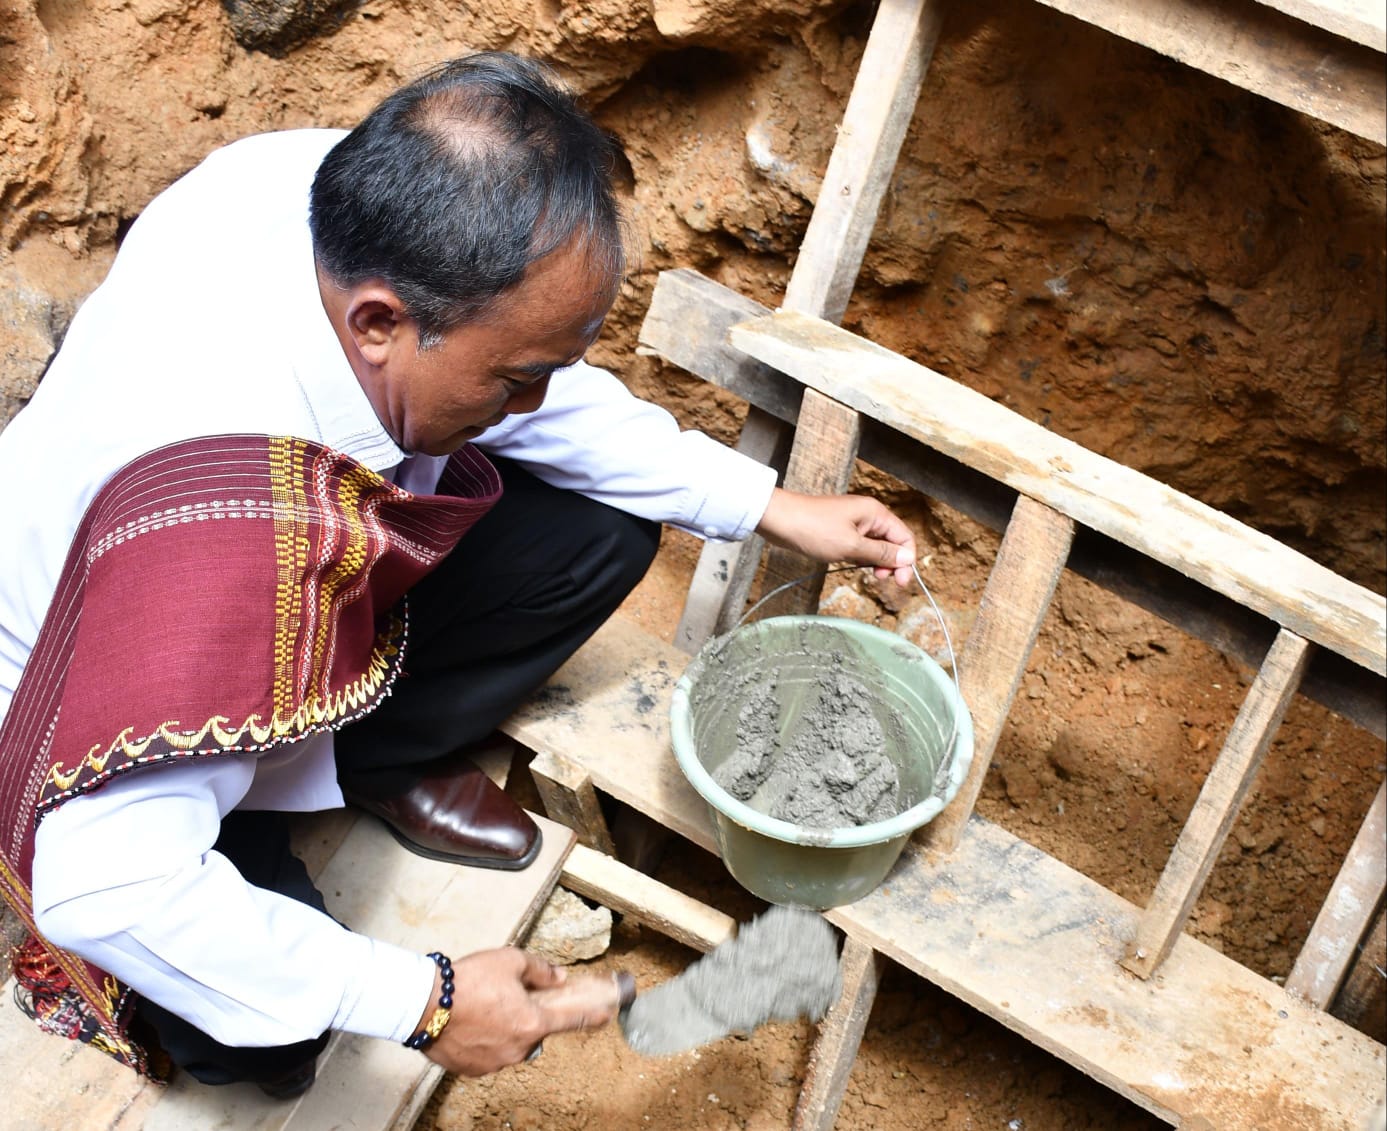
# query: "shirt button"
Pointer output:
{"type": "Point", "coordinates": [711, 531]}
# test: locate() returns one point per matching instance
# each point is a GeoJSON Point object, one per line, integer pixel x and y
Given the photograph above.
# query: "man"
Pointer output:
{"type": "Point", "coordinates": [256, 505]}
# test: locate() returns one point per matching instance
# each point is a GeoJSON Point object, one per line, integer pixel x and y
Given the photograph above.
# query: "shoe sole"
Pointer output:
{"type": "Point", "coordinates": [496, 864]}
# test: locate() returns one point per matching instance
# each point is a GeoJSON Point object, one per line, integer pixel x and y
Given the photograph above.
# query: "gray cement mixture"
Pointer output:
{"type": "Point", "coordinates": [828, 770]}
{"type": "Point", "coordinates": [782, 966]}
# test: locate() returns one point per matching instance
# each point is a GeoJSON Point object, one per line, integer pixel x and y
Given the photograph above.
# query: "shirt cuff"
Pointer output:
{"type": "Point", "coordinates": [736, 490]}
{"type": "Point", "coordinates": [389, 990]}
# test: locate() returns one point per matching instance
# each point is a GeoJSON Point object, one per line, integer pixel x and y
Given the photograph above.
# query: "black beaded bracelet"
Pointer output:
{"type": "Point", "coordinates": [441, 1015]}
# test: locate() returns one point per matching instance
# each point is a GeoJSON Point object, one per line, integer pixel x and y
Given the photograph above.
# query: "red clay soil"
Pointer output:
{"type": "Point", "coordinates": [1169, 270]}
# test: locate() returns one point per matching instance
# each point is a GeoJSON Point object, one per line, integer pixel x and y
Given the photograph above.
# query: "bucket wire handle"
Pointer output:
{"type": "Point", "coordinates": [939, 616]}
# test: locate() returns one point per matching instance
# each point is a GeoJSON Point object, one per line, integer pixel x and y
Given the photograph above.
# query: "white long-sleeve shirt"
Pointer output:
{"type": "Point", "coordinates": [210, 322]}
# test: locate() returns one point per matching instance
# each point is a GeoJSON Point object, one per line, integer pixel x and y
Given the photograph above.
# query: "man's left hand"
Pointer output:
{"type": "Point", "coordinates": [832, 528]}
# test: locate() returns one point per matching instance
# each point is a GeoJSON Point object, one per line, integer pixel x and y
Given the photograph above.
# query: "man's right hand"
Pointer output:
{"type": "Point", "coordinates": [505, 1002]}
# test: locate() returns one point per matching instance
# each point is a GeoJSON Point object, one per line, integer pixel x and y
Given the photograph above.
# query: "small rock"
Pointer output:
{"type": "Point", "coordinates": [31, 325]}
{"type": "Point", "coordinates": [921, 627]}
{"type": "Point", "coordinates": [569, 931]}
{"type": "Point", "coordinates": [274, 26]}
{"type": "Point", "coordinates": [847, 602]}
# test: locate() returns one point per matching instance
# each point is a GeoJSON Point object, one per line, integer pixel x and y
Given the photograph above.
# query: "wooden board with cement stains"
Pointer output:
{"type": "Point", "coordinates": [1205, 1038]}
{"type": "Point", "coordinates": [368, 881]}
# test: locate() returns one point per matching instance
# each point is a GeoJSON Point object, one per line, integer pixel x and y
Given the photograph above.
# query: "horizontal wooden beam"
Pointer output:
{"type": "Point", "coordinates": [1226, 555]}
{"type": "Point", "coordinates": [1314, 70]}
{"type": "Point", "coordinates": [1363, 21]}
{"type": "Point", "coordinates": [645, 899]}
{"type": "Point", "coordinates": [687, 324]}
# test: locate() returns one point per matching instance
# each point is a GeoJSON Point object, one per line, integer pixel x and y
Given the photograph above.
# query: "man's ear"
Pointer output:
{"type": "Point", "coordinates": [377, 322]}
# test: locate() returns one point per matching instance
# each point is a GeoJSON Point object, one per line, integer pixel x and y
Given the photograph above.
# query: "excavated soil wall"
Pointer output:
{"type": "Point", "coordinates": [1165, 268]}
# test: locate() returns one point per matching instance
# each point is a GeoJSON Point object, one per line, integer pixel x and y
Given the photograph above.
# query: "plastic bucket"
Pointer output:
{"type": "Point", "coordinates": [913, 699]}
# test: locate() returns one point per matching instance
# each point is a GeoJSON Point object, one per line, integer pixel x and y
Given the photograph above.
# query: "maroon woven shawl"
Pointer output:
{"type": "Point", "coordinates": [225, 594]}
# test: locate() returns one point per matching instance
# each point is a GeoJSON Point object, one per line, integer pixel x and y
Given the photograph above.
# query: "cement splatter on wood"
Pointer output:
{"type": "Point", "coordinates": [782, 966]}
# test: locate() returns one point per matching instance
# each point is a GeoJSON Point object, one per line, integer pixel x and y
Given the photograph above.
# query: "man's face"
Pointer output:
{"type": "Point", "coordinates": [432, 402]}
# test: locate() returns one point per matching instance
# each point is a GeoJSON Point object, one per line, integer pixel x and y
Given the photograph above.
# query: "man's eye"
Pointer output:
{"type": "Point", "coordinates": [516, 384]}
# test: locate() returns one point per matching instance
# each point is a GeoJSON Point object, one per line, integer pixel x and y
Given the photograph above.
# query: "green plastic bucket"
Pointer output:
{"type": "Point", "coordinates": [913, 698]}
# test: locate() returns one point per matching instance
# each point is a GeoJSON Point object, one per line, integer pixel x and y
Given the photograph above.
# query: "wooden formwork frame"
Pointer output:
{"type": "Point", "coordinates": [1184, 1032]}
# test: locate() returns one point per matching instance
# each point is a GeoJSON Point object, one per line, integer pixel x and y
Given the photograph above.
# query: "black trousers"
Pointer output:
{"type": "Point", "coordinates": [525, 588]}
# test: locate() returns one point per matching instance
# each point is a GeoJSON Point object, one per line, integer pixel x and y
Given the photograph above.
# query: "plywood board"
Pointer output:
{"type": "Point", "coordinates": [369, 882]}
{"type": "Point", "coordinates": [380, 889]}
{"type": "Point", "coordinates": [1136, 510]}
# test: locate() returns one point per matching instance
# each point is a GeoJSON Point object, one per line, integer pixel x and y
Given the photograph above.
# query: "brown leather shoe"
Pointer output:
{"type": "Point", "coordinates": [453, 813]}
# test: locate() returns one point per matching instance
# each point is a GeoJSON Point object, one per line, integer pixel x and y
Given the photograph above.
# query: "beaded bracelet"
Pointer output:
{"type": "Point", "coordinates": [443, 1014]}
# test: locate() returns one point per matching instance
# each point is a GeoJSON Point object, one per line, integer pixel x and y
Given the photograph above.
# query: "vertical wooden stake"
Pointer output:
{"type": "Point", "coordinates": [1018, 594]}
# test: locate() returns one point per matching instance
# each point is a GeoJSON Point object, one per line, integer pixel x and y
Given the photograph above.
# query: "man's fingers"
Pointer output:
{"type": "Point", "coordinates": [583, 1003]}
{"type": "Point", "coordinates": [536, 974]}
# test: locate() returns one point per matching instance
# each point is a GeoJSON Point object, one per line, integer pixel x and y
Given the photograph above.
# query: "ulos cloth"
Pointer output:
{"type": "Point", "coordinates": [223, 595]}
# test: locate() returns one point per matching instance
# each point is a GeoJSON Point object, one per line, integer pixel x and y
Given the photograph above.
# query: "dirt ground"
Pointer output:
{"type": "Point", "coordinates": [1115, 727]}
{"type": "Point", "coordinates": [1171, 271]}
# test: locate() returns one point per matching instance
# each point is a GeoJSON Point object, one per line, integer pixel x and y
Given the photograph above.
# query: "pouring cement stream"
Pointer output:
{"type": "Point", "coordinates": [782, 966]}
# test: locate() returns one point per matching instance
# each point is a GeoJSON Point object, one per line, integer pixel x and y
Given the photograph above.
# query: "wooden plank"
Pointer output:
{"type": "Point", "coordinates": [821, 463]}
{"type": "Point", "coordinates": [369, 882]}
{"type": "Point", "coordinates": [874, 125]}
{"type": "Point", "coordinates": [1013, 932]}
{"type": "Point", "coordinates": [688, 323]}
{"type": "Point", "coordinates": [1227, 556]}
{"type": "Point", "coordinates": [1256, 47]}
{"type": "Point", "coordinates": [1362, 1002]}
{"type": "Point", "coordinates": [53, 1084]}
{"type": "Point", "coordinates": [1035, 945]}
{"type": "Point", "coordinates": [569, 798]}
{"type": "Point", "coordinates": [380, 889]}
{"type": "Point", "coordinates": [1014, 603]}
{"type": "Point", "coordinates": [725, 571]}
{"type": "Point", "coordinates": [864, 155]}
{"type": "Point", "coordinates": [314, 837]}
{"type": "Point", "coordinates": [616, 692]}
{"type": "Point", "coordinates": [840, 1035]}
{"type": "Point", "coordinates": [1346, 913]}
{"type": "Point", "coordinates": [1363, 21]}
{"type": "Point", "coordinates": [646, 900]}
{"type": "Point", "coordinates": [1217, 806]}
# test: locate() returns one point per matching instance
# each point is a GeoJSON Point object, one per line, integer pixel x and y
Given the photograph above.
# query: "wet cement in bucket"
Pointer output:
{"type": "Point", "coordinates": [781, 966]}
{"type": "Point", "coordinates": [827, 769]}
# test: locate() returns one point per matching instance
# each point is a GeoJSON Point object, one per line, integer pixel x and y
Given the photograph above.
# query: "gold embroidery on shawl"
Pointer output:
{"type": "Point", "coordinates": [286, 456]}
{"type": "Point", "coordinates": [319, 711]}
{"type": "Point", "coordinates": [344, 572]}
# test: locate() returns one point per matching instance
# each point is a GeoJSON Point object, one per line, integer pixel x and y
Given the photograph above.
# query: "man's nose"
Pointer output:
{"type": "Point", "coordinates": [527, 399]}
